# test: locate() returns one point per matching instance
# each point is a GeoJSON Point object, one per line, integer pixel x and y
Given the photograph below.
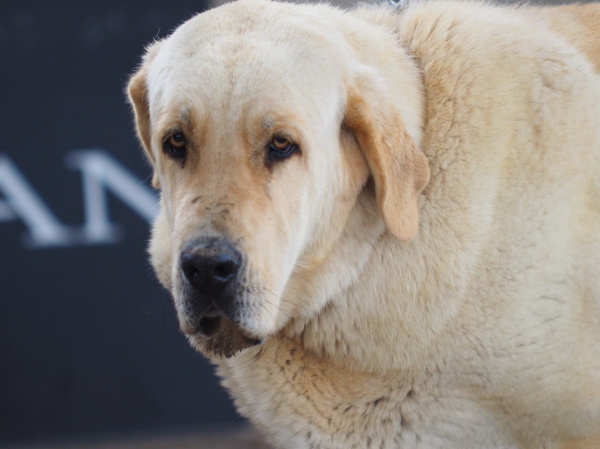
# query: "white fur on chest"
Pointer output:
{"type": "Point", "coordinates": [299, 402]}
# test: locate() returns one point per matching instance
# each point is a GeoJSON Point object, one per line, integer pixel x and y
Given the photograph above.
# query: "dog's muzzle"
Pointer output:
{"type": "Point", "coordinates": [211, 270]}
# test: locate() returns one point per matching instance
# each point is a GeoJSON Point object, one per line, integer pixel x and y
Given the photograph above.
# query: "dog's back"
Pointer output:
{"type": "Point", "coordinates": [580, 25]}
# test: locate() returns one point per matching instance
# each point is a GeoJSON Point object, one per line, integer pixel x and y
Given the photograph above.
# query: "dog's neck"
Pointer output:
{"type": "Point", "coordinates": [324, 281]}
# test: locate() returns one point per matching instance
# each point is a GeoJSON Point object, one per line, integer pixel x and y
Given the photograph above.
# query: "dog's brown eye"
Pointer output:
{"type": "Point", "coordinates": [280, 143]}
{"type": "Point", "coordinates": [175, 146]}
{"type": "Point", "coordinates": [281, 147]}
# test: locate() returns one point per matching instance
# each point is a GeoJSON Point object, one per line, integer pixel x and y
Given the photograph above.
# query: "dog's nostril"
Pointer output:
{"type": "Point", "coordinates": [225, 271]}
{"type": "Point", "coordinates": [189, 269]}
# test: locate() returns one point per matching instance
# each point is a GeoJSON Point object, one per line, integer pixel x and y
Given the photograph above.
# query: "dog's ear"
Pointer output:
{"type": "Point", "coordinates": [399, 168]}
{"type": "Point", "coordinates": [137, 90]}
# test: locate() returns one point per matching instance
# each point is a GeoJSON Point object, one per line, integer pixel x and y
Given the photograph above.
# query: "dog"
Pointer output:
{"type": "Point", "coordinates": [383, 225]}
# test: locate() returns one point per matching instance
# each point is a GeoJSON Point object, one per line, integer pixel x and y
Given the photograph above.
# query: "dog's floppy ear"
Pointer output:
{"type": "Point", "coordinates": [399, 168]}
{"type": "Point", "coordinates": [137, 91]}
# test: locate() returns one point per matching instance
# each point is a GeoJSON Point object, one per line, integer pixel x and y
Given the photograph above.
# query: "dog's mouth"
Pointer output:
{"type": "Point", "coordinates": [215, 334]}
{"type": "Point", "coordinates": [209, 324]}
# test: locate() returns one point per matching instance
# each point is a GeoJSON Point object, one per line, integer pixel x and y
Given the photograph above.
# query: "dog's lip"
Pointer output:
{"type": "Point", "coordinates": [209, 325]}
{"type": "Point", "coordinates": [202, 323]}
{"type": "Point", "coordinates": [209, 322]}
{"type": "Point", "coordinates": [211, 312]}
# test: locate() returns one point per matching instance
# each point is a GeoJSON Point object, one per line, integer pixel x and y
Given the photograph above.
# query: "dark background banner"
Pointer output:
{"type": "Point", "coordinates": [89, 341]}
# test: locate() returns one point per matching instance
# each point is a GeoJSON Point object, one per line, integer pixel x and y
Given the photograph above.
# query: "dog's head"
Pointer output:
{"type": "Point", "coordinates": [263, 126]}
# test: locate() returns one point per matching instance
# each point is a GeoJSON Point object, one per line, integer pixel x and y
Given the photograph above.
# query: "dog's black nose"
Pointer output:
{"type": "Point", "coordinates": [209, 265]}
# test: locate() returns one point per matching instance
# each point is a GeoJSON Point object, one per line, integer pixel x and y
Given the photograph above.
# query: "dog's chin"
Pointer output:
{"type": "Point", "coordinates": [220, 337]}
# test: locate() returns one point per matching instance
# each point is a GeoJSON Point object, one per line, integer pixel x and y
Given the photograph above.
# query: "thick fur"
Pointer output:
{"type": "Point", "coordinates": [481, 329]}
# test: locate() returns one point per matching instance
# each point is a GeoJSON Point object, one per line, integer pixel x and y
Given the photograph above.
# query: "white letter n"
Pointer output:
{"type": "Point", "coordinates": [100, 172]}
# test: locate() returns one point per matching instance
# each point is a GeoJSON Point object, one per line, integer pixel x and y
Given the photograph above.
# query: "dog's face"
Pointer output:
{"type": "Point", "coordinates": [262, 130]}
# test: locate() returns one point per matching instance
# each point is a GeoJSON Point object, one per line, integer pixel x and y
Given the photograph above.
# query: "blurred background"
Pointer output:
{"type": "Point", "coordinates": [90, 351]}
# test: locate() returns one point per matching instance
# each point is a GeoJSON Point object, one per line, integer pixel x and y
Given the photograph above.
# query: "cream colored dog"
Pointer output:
{"type": "Point", "coordinates": [383, 226]}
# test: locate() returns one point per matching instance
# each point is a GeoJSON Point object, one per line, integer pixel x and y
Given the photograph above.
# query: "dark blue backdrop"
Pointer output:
{"type": "Point", "coordinates": [88, 339]}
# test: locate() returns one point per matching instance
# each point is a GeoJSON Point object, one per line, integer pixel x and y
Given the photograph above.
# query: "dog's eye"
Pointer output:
{"type": "Point", "coordinates": [281, 147]}
{"type": "Point", "coordinates": [174, 146]}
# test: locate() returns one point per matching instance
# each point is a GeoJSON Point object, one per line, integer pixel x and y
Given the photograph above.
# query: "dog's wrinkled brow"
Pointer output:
{"type": "Point", "coordinates": [267, 122]}
{"type": "Point", "coordinates": [186, 116]}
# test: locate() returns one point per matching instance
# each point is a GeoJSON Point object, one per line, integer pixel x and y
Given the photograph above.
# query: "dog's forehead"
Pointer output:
{"type": "Point", "coordinates": [283, 22]}
{"type": "Point", "coordinates": [245, 53]}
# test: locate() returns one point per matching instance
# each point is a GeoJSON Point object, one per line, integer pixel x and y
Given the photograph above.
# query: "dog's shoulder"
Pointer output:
{"type": "Point", "coordinates": [579, 25]}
